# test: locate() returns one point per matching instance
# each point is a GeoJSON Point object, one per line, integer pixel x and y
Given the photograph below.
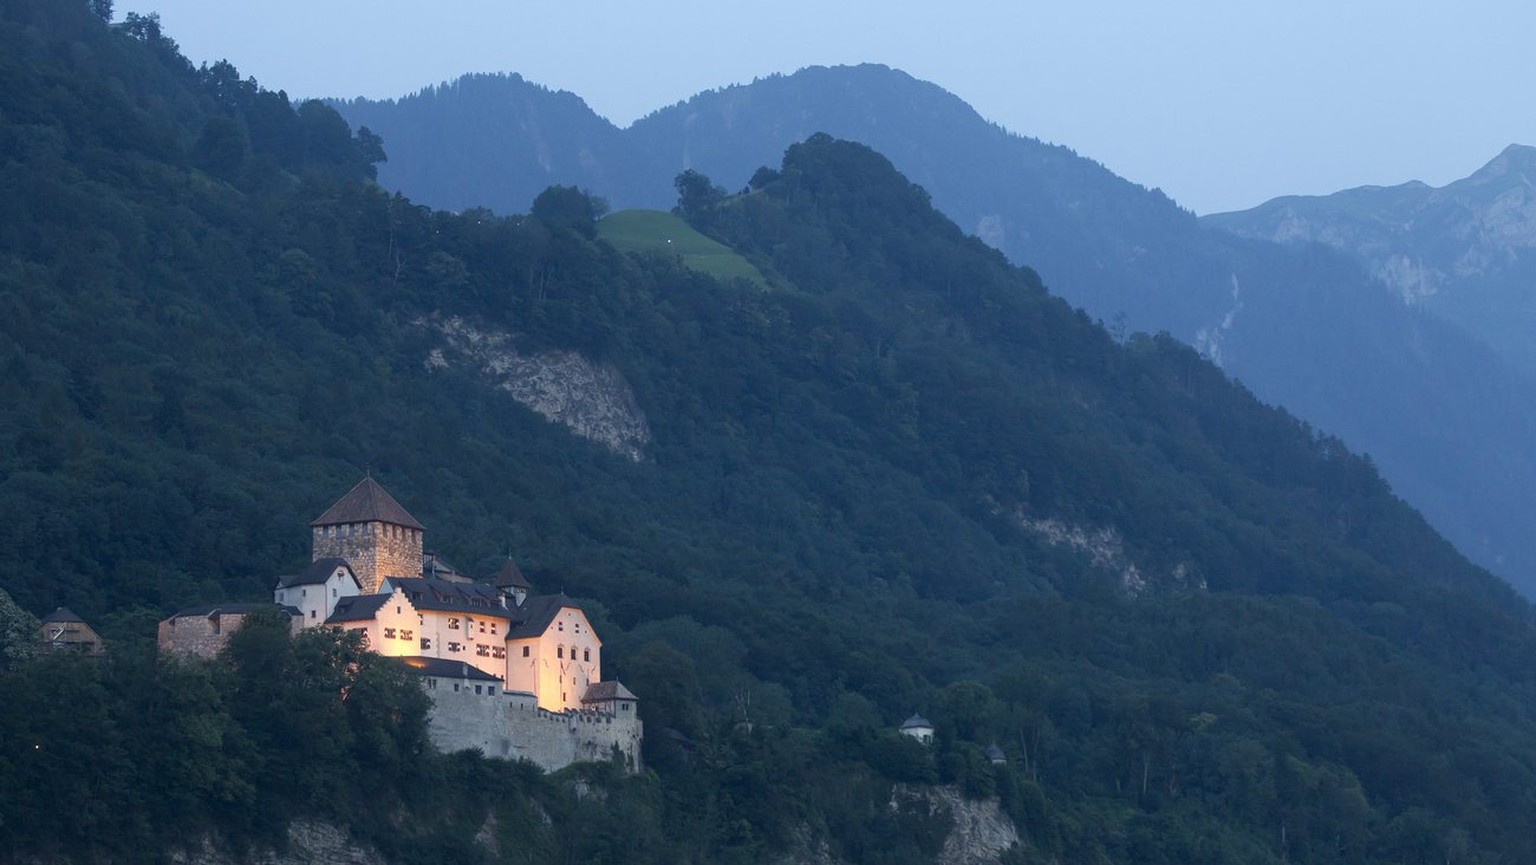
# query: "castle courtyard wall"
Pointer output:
{"type": "Point", "coordinates": [510, 726]}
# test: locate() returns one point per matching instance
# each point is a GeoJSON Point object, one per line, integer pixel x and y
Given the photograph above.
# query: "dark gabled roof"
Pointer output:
{"type": "Point", "coordinates": [915, 722]}
{"type": "Point", "coordinates": [62, 614]}
{"type": "Point", "coordinates": [366, 503]}
{"type": "Point", "coordinates": [236, 609]}
{"type": "Point", "coordinates": [475, 599]}
{"type": "Point", "coordinates": [317, 573]}
{"type": "Point", "coordinates": [601, 692]}
{"type": "Point", "coordinates": [510, 576]}
{"type": "Point", "coordinates": [357, 608]}
{"type": "Point", "coordinates": [446, 668]}
{"type": "Point", "coordinates": [533, 617]}
{"type": "Point", "coordinates": [437, 567]}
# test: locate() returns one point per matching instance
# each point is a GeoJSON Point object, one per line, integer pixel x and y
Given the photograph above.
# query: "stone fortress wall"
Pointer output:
{"type": "Point", "coordinates": [511, 726]}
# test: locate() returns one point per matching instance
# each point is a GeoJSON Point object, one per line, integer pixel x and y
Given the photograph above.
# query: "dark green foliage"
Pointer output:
{"type": "Point", "coordinates": [830, 529]}
{"type": "Point", "coordinates": [20, 633]}
{"type": "Point", "coordinates": [569, 208]}
{"type": "Point", "coordinates": [1448, 422]}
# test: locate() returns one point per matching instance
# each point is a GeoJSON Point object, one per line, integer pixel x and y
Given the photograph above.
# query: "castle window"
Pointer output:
{"type": "Point", "coordinates": [389, 633]}
{"type": "Point", "coordinates": [303, 593]}
{"type": "Point", "coordinates": [431, 684]}
{"type": "Point", "coordinates": [406, 634]}
{"type": "Point", "coordinates": [477, 689]}
{"type": "Point", "coordinates": [333, 593]}
{"type": "Point", "coordinates": [560, 626]}
{"type": "Point", "coordinates": [525, 651]}
{"type": "Point", "coordinates": [482, 627]}
{"type": "Point", "coordinates": [426, 643]}
{"type": "Point", "coordinates": [483, 651]}
{"type": "Point", "coordinates": [490, 689]}
{"type": "Point", "coordinates": [311, 614]}
{"type": "Point", "coordinates": [455, 647]}
{"type": "Point", "coordinates": [455, 686]}
{"type": "Point", "coordinates": [586, 654]}
{"type": "Point", "coordinates": [453, 622]}
{"type": "Point", "coordinates": [559, 651]}
{"type": "Point", "coordinates": [498, 652]}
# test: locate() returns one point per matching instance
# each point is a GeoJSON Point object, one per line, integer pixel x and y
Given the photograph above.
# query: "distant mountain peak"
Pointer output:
{"type": "Point", "coordinates": [1516, 159]}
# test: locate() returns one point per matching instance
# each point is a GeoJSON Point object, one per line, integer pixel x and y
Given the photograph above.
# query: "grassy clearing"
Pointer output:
{"type": "Point", "coordinates": [655, 231]}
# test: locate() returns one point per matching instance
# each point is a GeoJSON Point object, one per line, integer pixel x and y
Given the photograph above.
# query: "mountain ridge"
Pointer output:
{"type": "Point", "coordinates": [1304, 328]}
{"type": "Point", "coordinates": [1465, 251]}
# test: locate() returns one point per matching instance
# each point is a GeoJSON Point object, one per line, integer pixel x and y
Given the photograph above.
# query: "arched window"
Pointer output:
{"type": "Point", "coordinates": [559, 651]}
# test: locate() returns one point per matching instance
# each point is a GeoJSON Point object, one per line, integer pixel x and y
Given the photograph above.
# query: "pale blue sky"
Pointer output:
{"type": "Point", "coordinates": [1221, 104]}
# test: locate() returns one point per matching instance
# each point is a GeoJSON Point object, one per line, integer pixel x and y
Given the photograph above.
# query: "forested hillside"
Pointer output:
{"type": "Point", "coordinates": [1447, 420]}
{"type": "Point", "coordinates": [892, 475]}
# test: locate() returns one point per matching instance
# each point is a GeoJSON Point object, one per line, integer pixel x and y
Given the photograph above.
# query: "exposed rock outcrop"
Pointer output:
{"type": "Point", "coordinates": [982, 833]}
{"type": "Point", "coordinates": [1105, 549]}
{"type": "Point", "coordinates": [310, 842]}
{"type": "Point", "coordinates": [591, 399]}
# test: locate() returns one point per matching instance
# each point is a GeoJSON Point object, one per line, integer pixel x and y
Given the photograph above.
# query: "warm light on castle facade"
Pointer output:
{"type": "Point", "coordinates": [511, 673]}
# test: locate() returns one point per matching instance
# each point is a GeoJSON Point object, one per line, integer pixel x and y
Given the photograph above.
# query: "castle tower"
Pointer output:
{"type": "Point", "coordinates": [372, 532]}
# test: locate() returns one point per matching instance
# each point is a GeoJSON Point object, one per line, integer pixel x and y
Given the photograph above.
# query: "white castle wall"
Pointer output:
{"type": "Point", "coordinates": [512, 727]}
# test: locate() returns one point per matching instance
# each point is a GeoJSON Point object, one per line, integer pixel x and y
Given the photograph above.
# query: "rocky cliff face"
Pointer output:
{"type": "Point", "coordinates": [1105, 550]}
{"type": "Point", "coordinates": [591, 399]}
{"type": "Point", "coordinates": [982, 833]}
{"type": "Point", "coordinates": [1466, 251]}
{"type": "Point", "coordinates": [310, 842]}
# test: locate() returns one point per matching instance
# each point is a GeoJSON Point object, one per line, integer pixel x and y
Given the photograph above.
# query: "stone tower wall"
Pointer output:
{"type": "Point", "coordinates": [374, 550]}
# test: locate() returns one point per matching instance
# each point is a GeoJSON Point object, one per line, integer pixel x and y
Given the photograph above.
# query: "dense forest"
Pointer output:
{"type": "Point", "coordinates": [852, 507]}
{"type": "Point", "coordinates": [1448, 422]}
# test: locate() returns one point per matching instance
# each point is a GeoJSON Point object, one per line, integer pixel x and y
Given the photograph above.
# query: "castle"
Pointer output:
{"type": "Point", "coordinates": [513, 674]}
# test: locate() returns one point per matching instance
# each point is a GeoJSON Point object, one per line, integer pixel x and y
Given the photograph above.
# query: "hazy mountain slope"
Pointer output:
{"type": "Point", "coordinates": [519, 136]}
{"type": "Point", "coordinates": [905, 478]}
{"type": "Point", "coordinates": [1465, 251]}
{"type": "Point", "coordinates": [1448, 422]}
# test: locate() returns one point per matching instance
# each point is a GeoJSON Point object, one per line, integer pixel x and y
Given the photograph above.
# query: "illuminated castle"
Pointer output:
{"type": "Point", "coordinates": [513, 674]}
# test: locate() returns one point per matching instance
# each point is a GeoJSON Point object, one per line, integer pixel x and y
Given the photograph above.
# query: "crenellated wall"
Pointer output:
{"type": "Point", "coordinates": [512, 727]}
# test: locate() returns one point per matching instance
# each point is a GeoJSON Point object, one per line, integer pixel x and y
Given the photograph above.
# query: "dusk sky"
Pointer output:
{"type": "Point", "coordinates": [1223, 105]}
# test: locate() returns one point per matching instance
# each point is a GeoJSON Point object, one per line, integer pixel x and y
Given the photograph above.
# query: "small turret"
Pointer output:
{"type": "Point", "coordinates": [513, 585]}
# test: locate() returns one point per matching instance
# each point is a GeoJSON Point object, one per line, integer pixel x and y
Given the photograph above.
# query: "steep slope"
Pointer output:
{"type": "Point", "coordinates": [1448, 422]}
{"type": "Point", "coordinates": [520, 138]}
{"type": "Point", "coordinates": [905, 478]}
{"type": "Point", "coordinates": [1465, 251]}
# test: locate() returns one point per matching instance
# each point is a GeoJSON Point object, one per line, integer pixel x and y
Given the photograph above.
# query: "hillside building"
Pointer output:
{"type": "Point", "coordinates": [919, 728]}
{"type": "Point", "coordinates": [511, 673]}
{"type": "Point", "coordinates": [65, 631]}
